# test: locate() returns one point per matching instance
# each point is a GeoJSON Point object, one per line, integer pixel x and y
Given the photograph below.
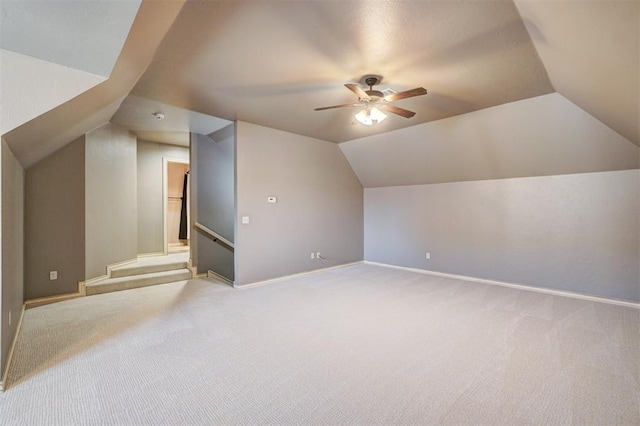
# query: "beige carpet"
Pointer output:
{"type": "Point", "coordinates": [357, 345]}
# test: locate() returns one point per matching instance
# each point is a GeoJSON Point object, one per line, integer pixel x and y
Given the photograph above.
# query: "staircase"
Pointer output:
{"type": "Point", "coordinates": [144, 272]}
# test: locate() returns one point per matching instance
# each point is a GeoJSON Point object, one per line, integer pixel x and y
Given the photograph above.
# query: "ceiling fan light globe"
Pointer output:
{"type": "Point", "coordinates": [377, 115]}
{"type": "Point", "coordinates": [364, 117]}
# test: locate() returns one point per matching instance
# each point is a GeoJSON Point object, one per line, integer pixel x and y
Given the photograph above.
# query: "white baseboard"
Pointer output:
{"type": "Point", "coordinates": [41, 301]}
{"type": "Point", "coordinates": [5, 374]}
{"type": "Point", "coordinates": [288, 277]}
{"type": "Point", "coordinates": [514, 285]}
{"type": "Point", "coordinates": [219, 277]}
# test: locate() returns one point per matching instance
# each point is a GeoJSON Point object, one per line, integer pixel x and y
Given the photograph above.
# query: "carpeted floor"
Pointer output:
{"type": "Point", "coordinates": [356, 345]}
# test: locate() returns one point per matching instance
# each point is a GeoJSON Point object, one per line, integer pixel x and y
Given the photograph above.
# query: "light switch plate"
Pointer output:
{"type": "Point", "coordinates": [245, 220]}
{"type": "Point", "coordinates": [53, 275]}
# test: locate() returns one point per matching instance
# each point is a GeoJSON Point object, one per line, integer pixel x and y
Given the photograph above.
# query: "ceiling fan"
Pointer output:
{"type": "Point", "coordinates": [372, 101]}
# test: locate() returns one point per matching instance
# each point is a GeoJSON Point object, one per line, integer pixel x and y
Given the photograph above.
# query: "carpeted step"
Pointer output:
{"type": "Point", "coordinates": [125, 283]}
{"type": "Point", "coordinates": [136, 269]}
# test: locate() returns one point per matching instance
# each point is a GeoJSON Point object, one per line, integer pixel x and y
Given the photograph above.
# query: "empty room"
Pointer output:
{"type": "Point", "coordinates": [320, 212]}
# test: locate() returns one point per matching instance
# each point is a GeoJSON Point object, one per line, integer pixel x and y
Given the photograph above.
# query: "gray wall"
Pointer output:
{"type": "Point", "coordinates": [319, 208]}
{"type": "Point", "coordinates": [12, 280]}
{"type": "Point", "coordinates": [572, 232]}
{"type": "Point", "coordinates": [111, 216]}
{"type": "Point", "coordinates": [54, 222]}
{"type": "Point", "coordinates": [214, 176]}
{"type": "Point", "coordinates": [150, 203]}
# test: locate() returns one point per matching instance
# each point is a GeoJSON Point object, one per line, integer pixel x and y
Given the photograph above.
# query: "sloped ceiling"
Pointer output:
{"type": "Point", "coordinates": [591, 51]}
{"type": "Point", "coordinates": [51, 51]}
{"type": "Point", "coordinates": [136, 114]}
{"type": "Point", "coordinates": [271, 62]}
{"type": "Point", "coordinates": [543, 136]}
{"type": "Point", "coordinates": [52, 130]}
{"type": "Point", "coordinates": [27, 89]}
{"type": "Point", "coordinates": [83, 35]}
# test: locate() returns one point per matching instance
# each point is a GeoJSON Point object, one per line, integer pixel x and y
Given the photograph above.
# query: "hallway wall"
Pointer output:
{"type": "Point", "coordinates": [111, 198]}
{"type": "Point", "coordinates": [12, 249]}
{"type": "Point", "coordinates": [55, 222]}
{"type": "Point", "coordinates": [213, 203]}
{"type": "Point", "coordinates": [149, 188]}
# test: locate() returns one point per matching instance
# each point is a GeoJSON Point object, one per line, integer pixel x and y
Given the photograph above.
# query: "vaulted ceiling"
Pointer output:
{"type": "Point", "coordinates": [271, 63]}
{"type": "Point", "coordinates": [591, 51]}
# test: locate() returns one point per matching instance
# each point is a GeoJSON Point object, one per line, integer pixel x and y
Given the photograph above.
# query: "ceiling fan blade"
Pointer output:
{"type": "Point", "coordinates": [397, 110]}
{"type": "Point", "coordinates": [358, 91]}
{"type": "Point", "coordinates": [336, 106]}
{"type": "Point", "coordinates": [406, 94]}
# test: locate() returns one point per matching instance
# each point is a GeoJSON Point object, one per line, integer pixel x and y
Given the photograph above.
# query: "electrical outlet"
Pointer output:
{"type": "Point", "coordinates": [428, 256]}
{"type": "Point", "coordinates": [313, 255]}
{"type": "Point", "coordinates": [53, 275]}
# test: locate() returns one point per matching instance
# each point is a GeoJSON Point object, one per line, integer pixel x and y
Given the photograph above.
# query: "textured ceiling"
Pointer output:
{"type": "Point", "coordinates": [135, 114]}
{"type": "Point", "coordinates": [45, 134]}
{"type": "Point", "coordinates": [591, 50]}
{"type": "Point", "coordinates": [542, 136]}
{"type": "Point", "coordinates": [271, 63]}
{"type": "Point", "coordinates": [27, 89]}
{"type": "Point", "coordinates": [84, 35]}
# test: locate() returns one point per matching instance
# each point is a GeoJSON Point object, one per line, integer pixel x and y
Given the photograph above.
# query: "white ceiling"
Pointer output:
{"type": "Point", "coordinates": [53, 51]}
{"type": "Point", "coordinates": [27, 89]}
{"type": "Point", "coordinates": [271, 63]}
{"type": "Point", "coordinates": [84, 35]}
{"type": "Point", "coordinates": [136, 114]}
{"type": "Point", "coordinates": [591, 50]}
{"type": "Point", "coordinates": [50, 131]}
{"type": "Point", "coordinates": [542, 136]}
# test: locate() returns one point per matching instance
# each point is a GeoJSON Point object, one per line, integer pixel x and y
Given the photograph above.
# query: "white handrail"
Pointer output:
{"type": "Point", "coordinates": [214, 235]}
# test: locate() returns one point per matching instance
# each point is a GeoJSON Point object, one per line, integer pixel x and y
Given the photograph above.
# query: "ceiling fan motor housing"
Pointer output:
{"type": "Point", "coordinates": [373, 80]}
{"type": "Point", "coordinates": [375, 95]}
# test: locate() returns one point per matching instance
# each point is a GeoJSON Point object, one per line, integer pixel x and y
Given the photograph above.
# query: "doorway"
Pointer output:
{"type": "Point", "coordinates": [176, 205]}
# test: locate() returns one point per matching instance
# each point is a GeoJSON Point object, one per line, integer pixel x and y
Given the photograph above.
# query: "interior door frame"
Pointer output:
{"type": "Point", "coordinates": [165, 198]}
